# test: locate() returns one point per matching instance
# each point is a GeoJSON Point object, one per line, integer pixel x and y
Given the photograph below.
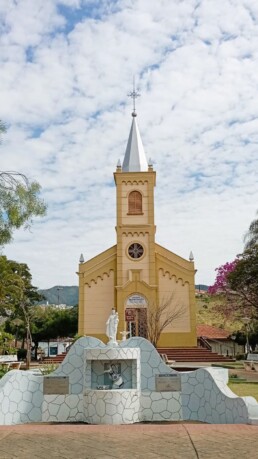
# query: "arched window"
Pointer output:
{"type": "Point", "coordinates": [135, 203]}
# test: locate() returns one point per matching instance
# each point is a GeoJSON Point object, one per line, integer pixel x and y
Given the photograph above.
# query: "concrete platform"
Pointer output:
{"type": "Point", "coordinates": [139, 441]}
{"type": "Point", "coordinates": [240, 372]}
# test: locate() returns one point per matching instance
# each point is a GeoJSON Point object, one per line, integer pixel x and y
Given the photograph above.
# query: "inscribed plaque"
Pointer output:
{"type": "Point", "coordinates": [168, 383]}
{"type": "Point", "coordinates": [56, 385]}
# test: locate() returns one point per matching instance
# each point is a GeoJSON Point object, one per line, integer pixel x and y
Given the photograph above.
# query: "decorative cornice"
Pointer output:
{"type": "Point", "coordinates": [170, 275]}
{"type": "Point", "coordinates": [98, 262]}
{"type": "Point", "coordinates": [134, 182]}
{"type": "Point", "coordinates": [135, 233]}
{"type": "Point", "coordinates": [99, 277]}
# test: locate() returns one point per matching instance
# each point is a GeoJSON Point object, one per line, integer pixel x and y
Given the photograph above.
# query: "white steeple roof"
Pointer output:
{"type": "Point", "coordinates": [135, 159]}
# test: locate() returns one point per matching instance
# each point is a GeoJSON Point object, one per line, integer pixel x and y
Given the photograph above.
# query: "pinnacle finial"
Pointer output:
{"type": "Point", "coordinates": [191, 257]}
{"type": "Point", "coordinates": [119, 166]}
{"type": "Point", "coordinates": [134, 94]}
{"type": "Point", "coordinates": [81, 260]}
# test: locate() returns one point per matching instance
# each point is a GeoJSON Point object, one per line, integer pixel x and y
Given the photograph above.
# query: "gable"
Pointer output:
{"type": "Point", "coordinates": [173, 264]}
{"type": "Point", "coordinates": [99, 265]}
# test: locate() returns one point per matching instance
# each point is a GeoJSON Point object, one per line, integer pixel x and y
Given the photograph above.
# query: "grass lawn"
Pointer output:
{"type": "Point", "coordinates": [243, 389]}
{"type": "Point", "coordinates": [233, 365]}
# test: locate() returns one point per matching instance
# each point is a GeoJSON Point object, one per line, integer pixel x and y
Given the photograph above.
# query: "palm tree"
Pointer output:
{"type": "Point", "coordinates": [2, 128]}
{"type": "Point", "coordinates": [251, 237]}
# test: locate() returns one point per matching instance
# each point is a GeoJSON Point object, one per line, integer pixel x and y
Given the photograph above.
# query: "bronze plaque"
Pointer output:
{"type": "Point", "coordinates": [168, 383]}
{"type": "Point", "coordinates": [56, 385]}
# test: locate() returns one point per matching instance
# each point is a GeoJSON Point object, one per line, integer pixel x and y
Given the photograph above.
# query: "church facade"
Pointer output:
{"type": "Point", "coordinates": [137, 275]}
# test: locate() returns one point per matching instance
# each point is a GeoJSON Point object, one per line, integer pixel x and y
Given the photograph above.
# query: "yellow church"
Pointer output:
{"type": "Point", "coordinates": [137, 274]}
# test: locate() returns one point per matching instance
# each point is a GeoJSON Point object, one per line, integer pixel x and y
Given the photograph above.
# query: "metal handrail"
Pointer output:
{"type": "Point", "coordinates": [204, 343]}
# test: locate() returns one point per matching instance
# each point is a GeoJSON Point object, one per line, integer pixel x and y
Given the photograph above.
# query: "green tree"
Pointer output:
{"type": "Point", "coordinates": [11, 285]}
{"type": "Point", "coordinates": [48, 323]}
{"type": "Point", "coordinates": [15, 287]}
{"type": "Point", "coordinates": [19, 201]}
{"type": "Point", "coordinates": [17, 295]}
{"type": "Point", "coordinates": [62, 323]}
{"type": "Point", "coordinates": [51, 323]}
{"type": "Point", "coordinates": [6, 343]}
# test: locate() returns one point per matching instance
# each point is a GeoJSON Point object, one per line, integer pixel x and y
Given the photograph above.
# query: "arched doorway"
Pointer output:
{"type": "Point", "coordinates": [136, 315]}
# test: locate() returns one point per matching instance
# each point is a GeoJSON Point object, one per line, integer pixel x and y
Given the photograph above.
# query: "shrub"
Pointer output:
{"type": "Point", "coordinates": [48, 368]}
{"type": "Point", "coordinates": [3, 370]}
{"type": "Point", "coordinates": [21, 354]}
{"type": "Point", "coordinates": [240, 357]}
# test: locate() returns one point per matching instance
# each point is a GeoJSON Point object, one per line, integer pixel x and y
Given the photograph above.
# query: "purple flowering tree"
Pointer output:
{"type": "Point", "coordinates": [221, 284]}
{"type": "Point", "coordinates": [237, 284]}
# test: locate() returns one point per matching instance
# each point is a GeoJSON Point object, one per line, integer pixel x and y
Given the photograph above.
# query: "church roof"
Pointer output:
{"type": "Point", "coordinates": [135, 159]}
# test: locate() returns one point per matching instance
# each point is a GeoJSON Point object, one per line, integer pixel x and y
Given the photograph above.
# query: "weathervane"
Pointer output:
{"type": "Point", "coordinates": [134, 94]}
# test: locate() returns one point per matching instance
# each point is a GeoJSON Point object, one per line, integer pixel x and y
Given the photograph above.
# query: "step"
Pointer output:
{"type": "Point", "coordinates": [193, 354]}
{"type": "Point", "coordinates": [253, 421]}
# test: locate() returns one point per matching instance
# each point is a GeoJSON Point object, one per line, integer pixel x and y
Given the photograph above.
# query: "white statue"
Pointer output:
{"type": "Point", "coordinates": [111, 327]}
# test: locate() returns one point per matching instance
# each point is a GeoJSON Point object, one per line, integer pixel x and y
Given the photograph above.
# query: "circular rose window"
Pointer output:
{"type": "Point", "coordinates": [135, 250]}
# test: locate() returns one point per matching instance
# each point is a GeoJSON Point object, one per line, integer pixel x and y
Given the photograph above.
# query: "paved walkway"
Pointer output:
{"type": "Point", "coordinates": [138, 441]}
{"type": "Point", "coordinates": [251, 376]}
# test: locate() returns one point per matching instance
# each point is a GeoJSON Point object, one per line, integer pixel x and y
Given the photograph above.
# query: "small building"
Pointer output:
{"type": "Point", "coordinates": [218, 340]}
{"type": "Point", "coordinates": [53, 347]}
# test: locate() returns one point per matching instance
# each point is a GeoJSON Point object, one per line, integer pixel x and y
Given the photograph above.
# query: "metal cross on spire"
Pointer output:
{"type": "Point", "coordinates": [134, 94]}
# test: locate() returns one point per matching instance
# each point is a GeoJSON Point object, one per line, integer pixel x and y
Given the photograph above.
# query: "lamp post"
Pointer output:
{"type": "Point", "coordinates": [58, 294]}
{"type": "Point", "coordinates": [233, 337]}
{"type": "Point", "coordinates": [246, 321]}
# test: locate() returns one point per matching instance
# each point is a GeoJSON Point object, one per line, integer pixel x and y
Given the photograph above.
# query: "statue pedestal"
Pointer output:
{"type": "Point", "coordinates": [112, 343]}
{"type": "Point", "coordinates": [115, 406]}
{"type": "Point", "coordinates": [112, 406]}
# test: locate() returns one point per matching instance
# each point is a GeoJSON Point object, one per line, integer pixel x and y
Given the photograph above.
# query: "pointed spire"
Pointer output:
{"type": "Point", "coordinates": [81, 260]}
{"type": "Point", "coordinates": [191, 257]}
{"type": "Point", "coordinates": [135, 159]}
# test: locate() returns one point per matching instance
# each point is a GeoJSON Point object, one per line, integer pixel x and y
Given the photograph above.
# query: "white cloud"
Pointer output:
{"type": "Point", "coordinates": [66, 67]}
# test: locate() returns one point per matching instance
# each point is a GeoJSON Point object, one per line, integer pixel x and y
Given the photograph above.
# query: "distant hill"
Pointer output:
{"type": "Point", "coordinates": [202, 287]}
{"type": "Point", "coordinates": [70, 295]}
{"type": "Point", "coordinates": [61, 295]}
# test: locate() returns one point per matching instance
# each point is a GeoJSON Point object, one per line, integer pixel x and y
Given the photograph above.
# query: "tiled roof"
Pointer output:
{"type": "Point", "coordinates": [207, 331]}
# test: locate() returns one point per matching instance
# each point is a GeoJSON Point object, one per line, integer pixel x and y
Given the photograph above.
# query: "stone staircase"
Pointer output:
{"type": "Point", "coordinates": [192, 354]}
{"type": "Point", "coordinates": [55, 359]}
{"type": "Point", "coordinates": [179, 354]}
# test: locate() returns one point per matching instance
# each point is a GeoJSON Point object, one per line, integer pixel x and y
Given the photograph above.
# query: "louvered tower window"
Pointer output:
{"type": "Point", "coordinates": [135, 203]}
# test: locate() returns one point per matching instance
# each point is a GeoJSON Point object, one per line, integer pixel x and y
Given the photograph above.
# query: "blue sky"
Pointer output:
{"type": "Point", "coordinates": [66, 69]}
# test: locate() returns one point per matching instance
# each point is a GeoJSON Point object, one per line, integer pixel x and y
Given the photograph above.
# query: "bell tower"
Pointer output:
{"type": "Point", "coordinates": [135, 227]}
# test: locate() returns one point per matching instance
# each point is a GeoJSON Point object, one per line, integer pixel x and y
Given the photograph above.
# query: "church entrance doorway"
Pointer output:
{"type": "Point", "coordinates": [136, 315]}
